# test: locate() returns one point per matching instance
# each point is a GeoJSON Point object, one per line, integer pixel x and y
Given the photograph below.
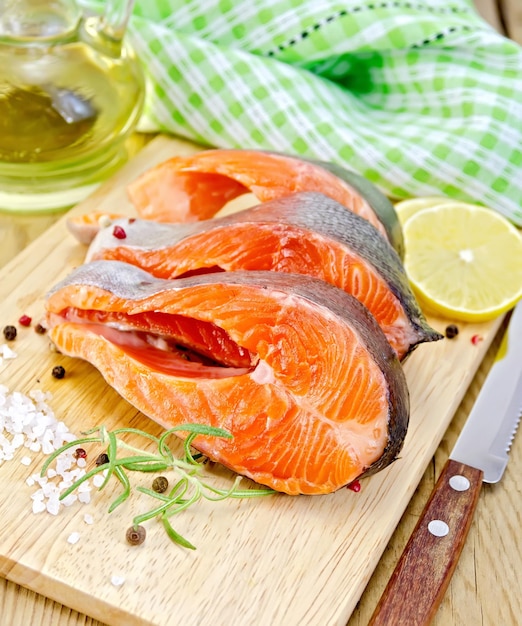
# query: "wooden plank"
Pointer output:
{"type": "Point", "coordinates": [277, 560]}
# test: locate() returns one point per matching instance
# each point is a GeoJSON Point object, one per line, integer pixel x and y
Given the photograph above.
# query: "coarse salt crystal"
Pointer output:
{"type": "Point", "coordinates": [53, 506]}
{"type": "Point", "coordinates": [84, 497]}
{"type": "Point", "coordinates": [70, 499]}
{"type": "Point", "coordinates": [38, 506]}
{"type": "Point", "coordinates": [97, 480]}
{"type": "Point", "coordinates": [26, 460]}
{"type": "Point", "coordinates": [73, 538]}
{"type": "Point", "coordinates": [88, 519]}
{"type": "Point", "coordinates": [81, 462]}
{"type": "Point", "coordinates": [117, 581]}
{"type": "Point", "coordinates": [6, 352]}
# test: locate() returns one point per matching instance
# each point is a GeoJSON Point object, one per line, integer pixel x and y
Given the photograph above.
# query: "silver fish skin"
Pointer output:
{"type": "Point", "coordinates": [311, 213]}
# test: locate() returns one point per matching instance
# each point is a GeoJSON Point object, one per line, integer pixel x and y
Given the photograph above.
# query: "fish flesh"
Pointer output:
{"type": "Point", "coordinates": [294, 368]}
{"type": "Point", "coordinates": [305, 233]}
{"type": "Point", "coordinates": [195, 187]}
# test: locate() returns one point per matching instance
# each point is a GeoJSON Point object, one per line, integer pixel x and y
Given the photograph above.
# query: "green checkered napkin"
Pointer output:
{"type": "Point", "coordinates": [422, 98]}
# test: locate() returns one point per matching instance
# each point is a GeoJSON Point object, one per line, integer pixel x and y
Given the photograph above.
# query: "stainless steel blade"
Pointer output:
{"type": "Point", "coordinates": [489, 430]}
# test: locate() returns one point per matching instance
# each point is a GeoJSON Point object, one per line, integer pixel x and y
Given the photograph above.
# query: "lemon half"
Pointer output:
{"type": "Point", "coordinates": [464, 261]}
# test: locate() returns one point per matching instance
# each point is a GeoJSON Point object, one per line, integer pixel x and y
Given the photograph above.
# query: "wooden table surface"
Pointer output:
{"type": "Point", "coordinates": [485, 588]}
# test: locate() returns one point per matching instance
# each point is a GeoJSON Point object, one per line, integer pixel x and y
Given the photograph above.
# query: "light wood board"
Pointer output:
{"type": "Point", "coordinates": [277, 560]}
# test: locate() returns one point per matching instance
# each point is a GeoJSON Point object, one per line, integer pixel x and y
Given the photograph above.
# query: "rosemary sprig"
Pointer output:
{"type": "Point", "coordinates": [190, 486]}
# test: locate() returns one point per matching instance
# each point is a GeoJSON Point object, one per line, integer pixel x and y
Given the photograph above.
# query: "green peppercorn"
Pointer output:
{"type": "Point", "coordinates": [58, 372]}
{"type": "Point", "coordinates": [10, 333]}
{"type": "Point", "coordinates": [160, 484]}
{"type": "Point", "coordinates": [452, 331]}
{"type": "Point", "coordinates": [135, 535]}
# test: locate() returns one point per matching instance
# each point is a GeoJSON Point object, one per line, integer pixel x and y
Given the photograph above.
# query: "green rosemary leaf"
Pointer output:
{"type": "Point", "coordinates": [136, 431]}
{"type": "Point", "coordinates": [123, 478]}
{"type": "Point", "coordinates": [112, 453]}
{"type": "Point", "coordinates": [66, 446]}
{"type": "Point", "coordinates": [82, 479]}
{"type": "Point", "coordinates": [146, 467]}
{"type": "Point", "coordinates": [176, 537]}
{"type": "Point", "coordinates": [154, 494]}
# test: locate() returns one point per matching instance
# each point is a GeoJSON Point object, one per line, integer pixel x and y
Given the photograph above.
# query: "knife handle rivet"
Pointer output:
{"type": "Point", "coordinates": [438, 528]}
{"type": "Point", "coordinates": [459, 483]}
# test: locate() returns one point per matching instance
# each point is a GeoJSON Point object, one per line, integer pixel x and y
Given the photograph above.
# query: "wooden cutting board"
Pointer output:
{"type": "Point", "coordinates": [268, 561]}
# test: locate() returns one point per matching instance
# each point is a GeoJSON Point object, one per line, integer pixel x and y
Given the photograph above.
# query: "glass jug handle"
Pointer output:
{"type": "Point", "coordinates": [114, 22]}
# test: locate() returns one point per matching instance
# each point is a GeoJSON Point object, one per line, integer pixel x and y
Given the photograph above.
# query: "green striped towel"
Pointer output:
{"type": "Point", "coordinates": [421, 97]}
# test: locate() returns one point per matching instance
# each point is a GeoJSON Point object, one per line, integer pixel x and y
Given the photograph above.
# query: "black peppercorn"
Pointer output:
{"type": "Point", "coordinates": [452, 331]}
{"type": "Point", "coordinates": [135, 535]}
{"type": "Point", "coordinates": [10, 333]}
{"type": "Point", "coordinates": [102, 459]}
{"type": "Point", "coordinates": [160, 484]}
{"type": "Point", "coordinates": [58, 371]}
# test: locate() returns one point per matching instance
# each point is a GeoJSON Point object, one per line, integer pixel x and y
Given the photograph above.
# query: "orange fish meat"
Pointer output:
{"type": "Point", "coordinates": [304, 233]}
{"type": "Point", "coordinates": [196, 187]}
{"type": "Point", "coordinates": [294, 368]}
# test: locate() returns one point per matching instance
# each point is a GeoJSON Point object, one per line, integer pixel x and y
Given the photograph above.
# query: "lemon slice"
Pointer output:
{"type": "Point", "coordinates": [406, 208]}
{"type": "Point", "coordinates": [463, 261]}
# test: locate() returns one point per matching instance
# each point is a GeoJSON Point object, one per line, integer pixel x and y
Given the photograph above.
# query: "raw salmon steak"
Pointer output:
{"type": "Point", "coordinates": [196, 187]}
{"type": "Point", "coordinates": [294, 368]}
{"type": "Point", "coordinates": [306, 233]}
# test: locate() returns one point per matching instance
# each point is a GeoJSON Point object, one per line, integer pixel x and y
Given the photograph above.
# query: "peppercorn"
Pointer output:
{"type": "Point", "coordinates": [118, 232]}
{"type": "Point", "coordinates": [102, 459]}
{"type": "Point", "coordinates": [58, 372]}
{"type": "Point", "coordinates": [10, 333]}
{"type": "Point", "coordinates": [160, 484]}
{"type": "Point", "coordinates": [135, 535]}
{"type": "Point", "coordinates": [80, 453]}
{"type": "Point", "coordinates": [452, 331]}
{"type": "Point", "coordinates": [40, 329]}
{"type": "Point", "coordinates": [25, 320]}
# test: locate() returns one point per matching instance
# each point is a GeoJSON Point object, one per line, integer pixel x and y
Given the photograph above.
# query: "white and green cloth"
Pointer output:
{"type": "Point", "coordinates": [421, 97]}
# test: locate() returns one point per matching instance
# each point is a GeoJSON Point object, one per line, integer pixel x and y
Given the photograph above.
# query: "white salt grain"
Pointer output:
{"type": "Point", "coordinates": [97, 480]}
{"type": "Point", "coordinates": [88, 519]}
{"type": "Point", "coordinates": [38, 506]}
{"type": "Point", "coordinates": [28, 421]}
{"type": "Point", "coordinates": [73, 538]}
{"type": "Point", "coordinates": [117, 581]}
{"type": "Point", "coordinates": [84, 497]}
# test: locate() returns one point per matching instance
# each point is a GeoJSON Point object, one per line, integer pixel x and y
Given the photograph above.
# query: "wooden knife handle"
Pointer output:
{"type": "Point", "coordinates": [421, 577]}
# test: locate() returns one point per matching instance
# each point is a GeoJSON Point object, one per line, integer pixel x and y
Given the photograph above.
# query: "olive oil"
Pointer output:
{"type": "Point", "coordinates": [67, 104]}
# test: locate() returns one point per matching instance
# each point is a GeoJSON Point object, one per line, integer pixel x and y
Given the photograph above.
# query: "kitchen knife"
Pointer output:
{"type": "Point", "coordinates": [422, 575]}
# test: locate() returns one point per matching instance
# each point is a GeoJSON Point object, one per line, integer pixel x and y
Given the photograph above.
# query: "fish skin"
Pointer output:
{"type": "Point", "coordinates": [312, 213]}
{"type": "Point", "coordinates": [107, 284]}
{"type": "Point", "coordinates": [381, 205]}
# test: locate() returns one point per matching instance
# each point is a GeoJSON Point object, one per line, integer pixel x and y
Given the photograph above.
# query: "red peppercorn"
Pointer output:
{"type": "Point", "coordinates": [80, 453]}
{"type": "Point", "coordinates": [25, 320]}
{"type": "Point", "coordinates": [118, 232]}
{"type": "Point", "coordinates": [476, 339]}
{"type": "Point", "coordinates": [355, 486]}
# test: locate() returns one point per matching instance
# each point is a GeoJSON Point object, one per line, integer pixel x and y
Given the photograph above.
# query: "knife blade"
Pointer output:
{"type": "Point", "coordinates": [421, 577]}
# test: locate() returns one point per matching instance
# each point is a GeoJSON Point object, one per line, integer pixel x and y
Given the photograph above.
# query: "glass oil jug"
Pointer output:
{"type": "Point", "coordinates": [71, 92]}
